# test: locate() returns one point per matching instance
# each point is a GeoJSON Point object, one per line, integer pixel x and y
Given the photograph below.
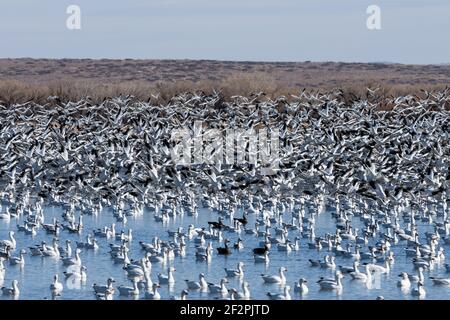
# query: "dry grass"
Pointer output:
{"type": "Point", "coordinates": [23, 80]}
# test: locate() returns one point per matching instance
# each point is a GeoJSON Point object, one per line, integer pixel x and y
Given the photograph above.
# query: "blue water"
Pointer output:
{"type": "Point", "coordinates": [36, 275]}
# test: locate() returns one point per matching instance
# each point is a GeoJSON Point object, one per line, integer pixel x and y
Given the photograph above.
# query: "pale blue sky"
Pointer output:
{"type": "Point", "coordinates": [413, 31]}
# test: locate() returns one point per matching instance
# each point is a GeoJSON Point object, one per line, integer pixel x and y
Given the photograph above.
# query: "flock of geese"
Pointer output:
{"type": "Point", "coordinates": [377, 174]}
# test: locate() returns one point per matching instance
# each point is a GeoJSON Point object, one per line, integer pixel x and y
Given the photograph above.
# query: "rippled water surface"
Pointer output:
{"type": "Point", "coordinates": [37, 273]}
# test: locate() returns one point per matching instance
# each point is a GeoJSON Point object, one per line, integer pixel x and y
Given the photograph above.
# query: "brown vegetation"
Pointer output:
{"type": "Point", "coordinates": [23, 80]}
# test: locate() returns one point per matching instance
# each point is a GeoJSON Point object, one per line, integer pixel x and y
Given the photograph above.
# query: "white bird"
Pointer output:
{"type": "Point", "coordinates": [365, 277]}
{"type": "Point", "coordinates": [11, 243]}
{"type": "Point", "coordinates": [129, 291]}
{"type": "Point", "coordinates": [275, 278]}
{"type": "Point", "coordinates": [331, 284]}
{"type": "Point", "coordinates": [238, 272]}
{"type": "Point", "coordinates": [404, 282]}
{"type": "Point", "coordinates": [245, 294]}
{"type": "Point", "coordinates": [56, 287]}
{"type": "Point", "coordinates": [104, 289]}
{"type": "Point", "coordinates": [419, 291]}
{"type": "Point", "coordinates": [440, 281]}
{"type": "Point", "coordinates": [69, 261]}
{"type": "Point", "coordinates": [13, 291]}
{"type": "Point", "coordinates": [153, 294]}
{"type": "Point", "coordinates": [183, 296]}
{"type": "Point", "coordinates": [194, 285]}
{"type": "Point", "coordinates": [76, 272]}
{"type": "Point", "coordinates": [218, 288]}
{"type": "Point", "coordinates": [301, 287]}
{"type": "Point", "coordinates": [280, 296]}
{"type": "Point", "coordinates": [20, 260]}
{"type": "Point", "coordinates": [167, 279]}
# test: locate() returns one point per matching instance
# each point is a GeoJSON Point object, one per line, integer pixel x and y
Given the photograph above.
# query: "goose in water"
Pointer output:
{"type": "Point", "coordinates": [264, 258]}
{"type": "Point", "coordinates": [194, 285]}
{"type": "Point", "coordinates": [11, 243]}
{"type": "Point", "coordinates": [365, 277]}
{"type": "Point", "coordinates": [331, 284]}
{"type": "Point", "coordinates": [104, 289]}
{"type": "Point", "coordinates": [167, 279]}
{"type": "Point", "coordinates": [440, 281]}
{"type": "Point", "coordinates": [348, 269]}
{"type": "Point", "coordinates": [301, 287]}
{"type": "Point", "coordinates": [280, 296]}
{"type": "Point", "coordinates": [51, 251]}
{"type": "Point", "coordinates": [238, 272]}
{"type": "Point", "coordinates": [245, 293]}
{"type": "Point", "coordinates": [419, 291]}
{"type": "Point", "coordinates": [20, 260]}
{"type": "Point", "coordinates": [153, 294]}
{"type": "Point", "coordinates": [225, 249]}
{"type": "Point", "coordinates": [218, 288]}
{"type": "Point", "coordinates": [77, 273]}
{"type": "Point", "coordinates": [129, 291]}
{"type": "Point", "coordinates": [418, 277]}
{"type": "Point", "coordinates": [404, 282]}
{"type": "Point", "coordinates": [12, 291]}
{"type": "Point", "coordinates": [328, 262]}
{"type": "Point", "coordinates": [183, 296]}
{"type": "Point", "coordinates": [280, 278]}
{"type": "Point", "coordinates": [380, 269]}
{"type": "Point", "coordinates": [73, 261]}
{"type": "Point", "coordinates": [56, 287]}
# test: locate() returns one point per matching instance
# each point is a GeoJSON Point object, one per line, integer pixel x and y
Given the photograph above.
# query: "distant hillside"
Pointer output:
{"type": "Point", "coordinates": [108, 77]}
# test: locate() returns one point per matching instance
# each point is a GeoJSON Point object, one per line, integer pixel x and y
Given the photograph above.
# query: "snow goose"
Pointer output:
{"type": "Point", "coordinates": [218, 288]}
{"type": "Point", "coordinates": [301, 287]}
{"type": "Point", "coordinates": [167, 279]}
{"type": "Point", "coordinates": [404, 282]}
{"type": "Point", "coordinates": [153, 294]}
{"type": "Point", "coordinates": [129, 291]}
{"type": "Point", "coordinates": [11, 243]}
{"type": "Point", "coordinates": [331, 284]}
{"type": "Point", "coordinates": [245, 294]}
{"type": "Point", "coordinates": [419, 291]}
{"type": "Point", "coordinates": [56, 287]}
{"type": "Point", "coordinates": [418, 277]}
{"type": "Point", "coordinates": [328, 262]}
{"type": "Point", "coordinates": [51, 251]}
{"type": "Point", "coordinates": [77, 273]}
{"type": "Point", "coordinates": [440, 281]}
{"type": "Point", "coordinates": [20, 260]}
{"type": "Point", "coordinates": [364, 277]}
{"type": "Point", "coordinates": [12, 291]}
{"type": "Point", "coordinates": [73, 261]}
{"type": "Point", "coordinates": [280, 296]}
{"type": "Point", "coordinates": [347, 269]}
{"type": "Point", "coordinates": [239, 245]}
{"type": "Point", "coordinates": [183, 296]}
{"type": "Point", "coordinates": [124, 237]}
{"type": "Point", "coordinates": [280, 278]}
{"type": "Point", "coordinates": [194, 285]}
{"type": "Point", "coordinates": [238, 272]}
{"type": "Point", "coordinates": [104, 289]}
{"type": "Point", "coordinates": [380, 269]}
